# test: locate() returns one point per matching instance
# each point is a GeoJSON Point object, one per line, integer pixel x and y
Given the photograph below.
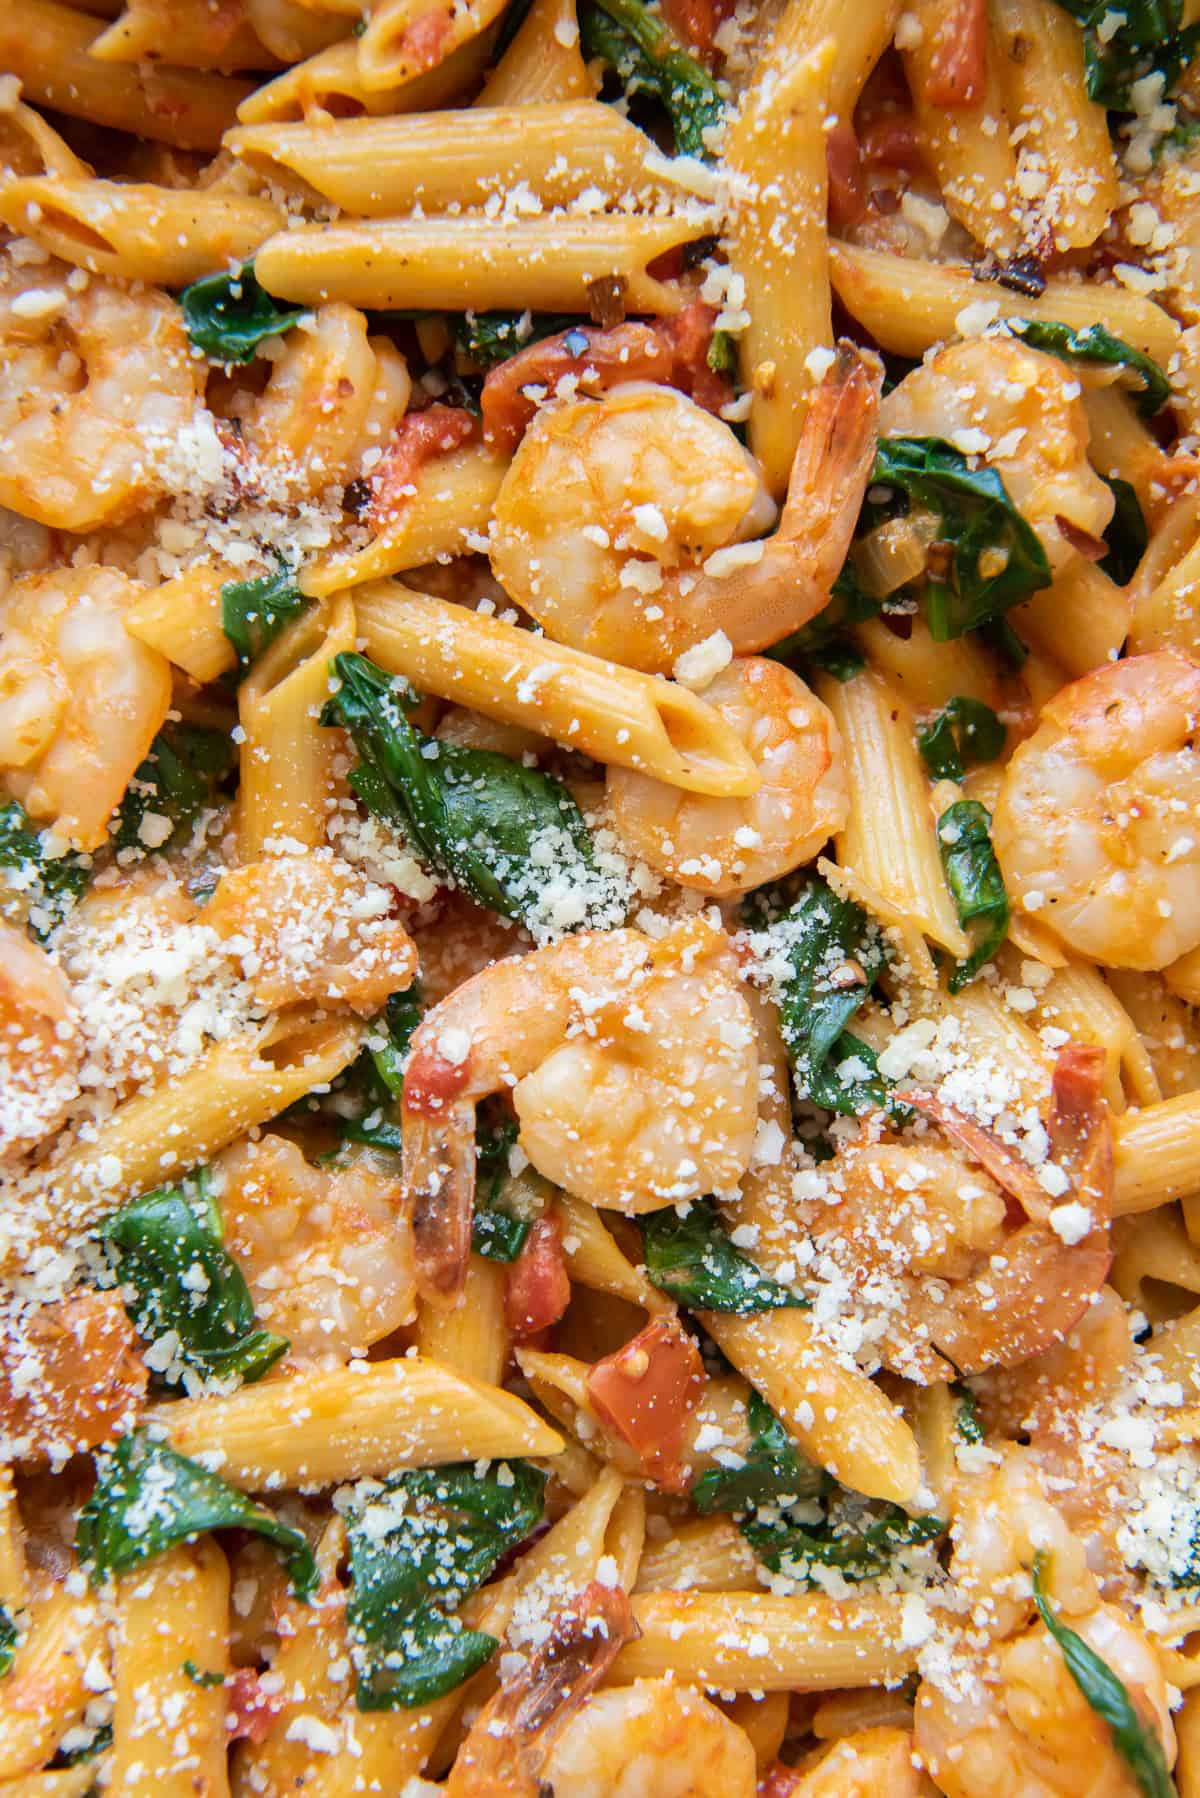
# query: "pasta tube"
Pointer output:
{"type": "Point", "coordinates": [610, 713]}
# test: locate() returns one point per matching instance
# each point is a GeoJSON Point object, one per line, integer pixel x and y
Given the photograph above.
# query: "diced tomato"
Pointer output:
{"type": "Point", "coordinates": [250, 1712]}
{"type": "Point", "coordinates": [431, 1082]}
{"type": "Point", "coordinates": [889, 139]}
{"type": "Point", "coordinates": [538, 1290]}
{"type": "Point", "coordinates": [958, 70]}
{"type": "Point", "coordinates": [671, 351]}
{"type": "Point", "coordinates": [424, 43]}
{"type": "Point", "coordinates": [417, 439]}
{"type": "Point", "coordinates": [779, 1781]}
{"type": "Point", "coordinates": [696, 22]}
{"type": "Point", "coordinates": [645, 1393]}
{"type": "Point", "coordinates": [844, 163]}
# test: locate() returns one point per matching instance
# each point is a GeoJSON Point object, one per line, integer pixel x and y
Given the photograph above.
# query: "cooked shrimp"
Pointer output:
{"type": "Point", "coordinates": [1095, 824]}
{"type": "Point", "coordinates": [311, 927]}
{"type": "Point", "coordinates": [80, 699]}
{"type": "Point", "coordinates": [327, 1253]}
{"type": "Point", "coordinates": [1017, 1721]}
{"type": "Point", "coordinates": [551, 1732]}
{"type": "Point", "coordinates": [914, 1227]}
{"type": "Point", "coordinates": [70, 1377]}
{"type": "Point", "coordinates": [310, 420]}
{"type": "Point", "coordinates": [95, 387]}
{"type": "Point", "coordinates": [622, 524]}
{"type": "Point", "coordinates": [39, 1047]}
{"type": "Point", "coordinates": [731, 845]}
{"type": "Point", "coordinates": [1023, 413]}
{"type": "Point", "coordinates": [632, 1068]}
{"type": "Point", "coordinates": [870, 1763]}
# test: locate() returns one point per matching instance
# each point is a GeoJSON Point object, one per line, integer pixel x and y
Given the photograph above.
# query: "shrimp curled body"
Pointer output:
{"type": "Point", "coordinates": [622, 524]}
{"type": "Point", "coordinates": [1092, 826]}
{"type": "Point", "coordinates": [631, 1065]}
{"type": "Point", "coordinates": [724, 846]}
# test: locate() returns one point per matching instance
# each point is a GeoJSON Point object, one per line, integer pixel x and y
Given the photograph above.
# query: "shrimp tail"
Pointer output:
{"type": "Point", "coordinates": [439, 1196]}
{"type": "Point", "coordinates": [833, 463]}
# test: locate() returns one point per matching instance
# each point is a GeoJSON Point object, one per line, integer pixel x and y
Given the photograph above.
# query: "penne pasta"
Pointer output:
{"type": "Point", "coordinates": [608, 712]}
{"type": "Point", "coordinates": [543, 62]}
{"type": "Point", "coordinates": [181, 619]}
{"type": "Point", "coordinates": [316, 1428]}
{"type": "Point", "coordinates": [329, 85]}
{"type": "Point", "coordinates": [1156, 1154]}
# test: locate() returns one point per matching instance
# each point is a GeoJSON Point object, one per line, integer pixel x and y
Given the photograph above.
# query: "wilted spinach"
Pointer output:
{"type": "Point", "coordinates": [773, 1471]}
{"type": "Point", "coordinates": [419, 1545]}
{"type": "Point", "coordinates": [167, 1248]}
{"type": "Point", "coordinates": [229, 315]}
{"type": "Point", "coordinates": [975, 881]}
{"type": "Point", "coordinates": [964, 731]}
{"type": "Point", "coordinates": [148, 1498]}
{"type": "Point", "coordinates": [647, 58]}
{"type": "Point", "coordinates": [1092, 343]}
{"type": "Point", "coordinates": [44, 887]}
{"type": "Point", "coordinates": [693, 1259]}
{"type": "Point", "coordinates": [180, 775]}
{"type": "Point", "coordinates": [1149, 37]}
{"type": "Point", "coordinates": [253, 613]}
{"type": "Point", "coordinates": [490, 338]}
{"type": "Point", "coordinates": [1127, 534]}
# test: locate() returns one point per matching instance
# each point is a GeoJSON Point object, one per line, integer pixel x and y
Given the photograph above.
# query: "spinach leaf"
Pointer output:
{"type": "Point", "coordinates": [1000, 636]}
{"type": "Point", "coordinates": [198, 1677]}
{"type": "Point", "coordinates": [693, 1259]}
{"type": "Point", "coordinates": [859, 1549]}
{"type": "Point", "coordinates": [1092, 343]}
{"type": "Point", "coordinates": [179, 776]}
{"type": "Point", "coordinates": [490, 338]}
{"type": "Point", "coordinates": [975, 881]}
{"type": "Point", "coordinates": [722, 355]}
{"type": "Point", "coordinates": [988, 557]}
{"type": "Point", "coordinates": [1137, 1742]}
{"type": "Point", "coordinates": [495, 1232]}
{"type": "Point", "coordinates": [773, 1471]}
{"type": "Point", "coordinates": [44, 886]}
{"type": "Point", "coordinates": [167, 1247]}
{"type": "Point", "coordinates": [964, 731]}
{"type": "Point", "coordinates": [1150, 37]}
{"type": "Point", "coordinates": [823, 641]}
{"type": "Point", "coordinates": [253, 613]}
{"type": "Point", "coordinates": [487, 823]}
{"type": "Point", "coordinates": [9, 1637]}
{"type": "Point", "coordinates": [834, 953]}
{"type": "Point", "coordinates": [647, 58]}
{"type": "Point", "coordinates": [73, 1757]}
{"type": "Point", "coordinates": [228, 316]}
{"type": "Point", "coordinates": [148, 1498]}
{"type": "Point", "coordinates": [1127, 534]}
{"type": "Point", "coordinates": [966, 1417]}
{"type": "Point", "coordinates": [419, 1545]}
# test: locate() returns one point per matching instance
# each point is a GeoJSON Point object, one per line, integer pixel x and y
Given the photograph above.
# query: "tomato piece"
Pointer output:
{"type": "Point", "coordinates": [90, 1379]}
{"type": "Point", "coordinates": [958, 71]}
{"type": "Point", "coordinates": [417, 439]}
{"type": "Point", "coordinates": [844, 163]}
{"type": "Point", "coordinates": [251, 1711]}
{"type": "Point", "coordinates": [645, 1393]}
{"type": "Point", "coordinates": [696, 22]}
{"type": "Point", "coordinates": [538, 1290]}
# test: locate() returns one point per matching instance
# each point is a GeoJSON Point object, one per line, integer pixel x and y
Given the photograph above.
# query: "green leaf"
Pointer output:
{"type": "Point", "coordinates": [182, 770]}
{"type": "Point", "coordinates": [834, 954]}
{"type": "Point", "coordinates": [495, 1233]}
{"type": "Point", "coordinates": [148, 1498]}
{"type": "Point", "coordinates": [498, 830]}
{"type": "Point", "coordinates": [975, 881]}
{"type": "Point", "coordinates": [167, 1248]}
{"type": "Point", "coordinates": [200, 1678]}
{"type": "Point", "coordinates": [773, 1471]}
{"type": "Point", "coordinates": [722, 355]}
{"type": "Point", "coordinates": [490, 338]}
{"type": "Point", "coordinates": [964, 731]}
{"type": "Point", "coordinates": [966, 1416]}
{"type": "Point", "coordinates": [383, 1061]}
{"type": "Point", "coordinates": [228, 316]}
{"type": "Point", "coordinates": [9, 1637]}
{"type": "Point", "coordinates": [1092, 343]}
{"type": "Point", "coordinates": [992, 557]}
{"type": "Point", "coordinates": [647, 58]}
{"type": "Point", "coordinates": [44, 887]}
{"type": "Point", "coordinates": [1150, 37]}
{"type": "Point", "coordinates": [253, 613]}
{"type": "Point", "coordinates": [420, 1544]}
{"type": "Point", "coordinates": [1137, 1742]}
{"type": "Point", "coordinates": [1127, 534]}
{"type": "Point", "coordinates": [858, 1549]}
{"type": "Point", "coordinates": [73, 1757]}
{"type": "Point", "coordinates": [693, 1259]}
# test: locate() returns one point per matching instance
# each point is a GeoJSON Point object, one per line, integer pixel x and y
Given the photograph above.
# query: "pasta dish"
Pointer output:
{"type": "Point", "coordinates": [600, 899]}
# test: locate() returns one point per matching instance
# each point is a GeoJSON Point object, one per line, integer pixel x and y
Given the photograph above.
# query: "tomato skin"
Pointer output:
{"type": "Point", "coordinates": [958, 72]}
{"type": "Point", "coordinates": [538, 1290]}
{"type": "Point", "coordinates": [645, 1393]}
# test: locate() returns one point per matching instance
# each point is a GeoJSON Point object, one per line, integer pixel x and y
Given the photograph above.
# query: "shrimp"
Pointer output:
{"type": "Point", "coordinates": [39, 1045]}
{"type": "Point", "coordinates": [70, 1377]}
{"type": "Point", "coordinates": [1025, 413]}
{"type": "Point", "coordinates": [1016, 1721]}
{"type": "Point", "coordinates": [633, 1072]}
{"type": "Point", "coordinates": [310, 421]}
{"type": "Point", "coordinates": [724, 846]}
{"type": "Point", "coordinates": [929, 1239]}
{"type": "Point", "coordinates": [95, 387]}
{"type": "Point", "coordinates": [622, 524]}
{"type": "Point", "coordinates": [327, 1254]}
{"type": "Point", "coordinates": [550, 1732]}
{"type": "Point", "coordinates": [80, 699]}
{"type": "Point", "coordinates": [310, 927]}
{"type": "Point", "coordinates": [870, 1763]}
{"type": "Point", "coordinates": [1094, 826]}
